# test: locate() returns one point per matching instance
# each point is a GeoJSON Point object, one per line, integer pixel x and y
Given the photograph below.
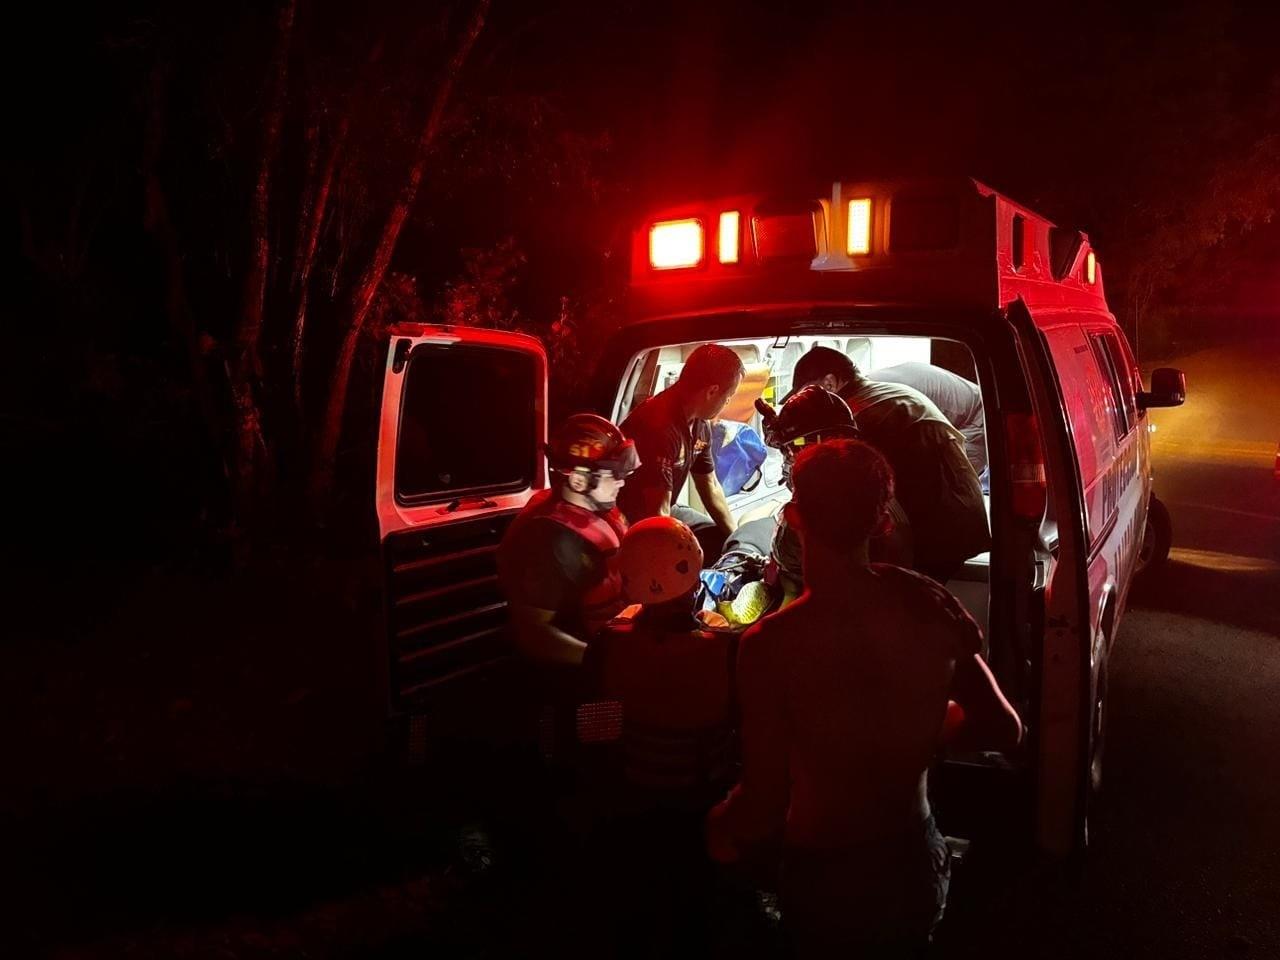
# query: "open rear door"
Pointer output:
{"type": "Point", "coordinates": [1061, 727]}
{"type": "Point", "coordinates": [459, 453]}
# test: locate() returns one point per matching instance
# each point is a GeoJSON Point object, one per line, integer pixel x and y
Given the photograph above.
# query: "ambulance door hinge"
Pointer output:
{"type": "Point", "coordinates": [401, 355]}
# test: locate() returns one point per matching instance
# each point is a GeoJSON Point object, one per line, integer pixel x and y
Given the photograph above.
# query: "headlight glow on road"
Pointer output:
{"type": "Point", "coordinates": [1223, 562]}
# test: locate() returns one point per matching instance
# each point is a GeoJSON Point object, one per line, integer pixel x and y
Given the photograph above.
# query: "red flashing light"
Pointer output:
{"type": "Point", "coordinates": [674, 244]}
{"type": "Point", "coordinates": [730, 230]}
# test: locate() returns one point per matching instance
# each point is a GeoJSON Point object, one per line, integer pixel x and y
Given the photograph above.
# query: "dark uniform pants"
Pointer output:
{"type": "Point", "coordinates": [710, 537]}
{"type": "Point", "coordinates": [882, 900]}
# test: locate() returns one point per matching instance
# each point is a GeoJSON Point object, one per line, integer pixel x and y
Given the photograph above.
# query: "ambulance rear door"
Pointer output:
{"type": "Point", "coordinates": [459, 454]}
{"type": "Point", "coordinates": [1060, 727]}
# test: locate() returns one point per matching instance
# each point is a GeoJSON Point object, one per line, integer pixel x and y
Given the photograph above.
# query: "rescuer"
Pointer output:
{"type": "Point", "coordinates": [959, 399]}
{"type": "Point", "coordinates": [809, 416]}
{"type": "Point", "coordinates": [673, 438]}
{"type": "Point", "coordinates": [661, 678]}
{"type": "Point", "coordinates": [843, 697]}
{"type": "Point", "coordinates": [555, 561]}
{"type": "Point", "coordinates": [934, 481]}
{"type": "Point", "coordinates": [668, 664]}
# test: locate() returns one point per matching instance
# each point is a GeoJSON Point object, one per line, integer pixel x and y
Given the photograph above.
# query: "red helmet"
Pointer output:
{"type": "Point", "coordinates": [589, 443]}
{"type": "Point", "coordinates": [659, 560]}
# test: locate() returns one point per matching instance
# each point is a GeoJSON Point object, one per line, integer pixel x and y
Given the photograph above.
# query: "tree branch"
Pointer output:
{"type": "Point", "coordinates": [375, 271]}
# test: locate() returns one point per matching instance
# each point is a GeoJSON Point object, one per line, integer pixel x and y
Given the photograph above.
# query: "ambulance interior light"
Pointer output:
{"type": "Point", "coordinates": [675, 243]}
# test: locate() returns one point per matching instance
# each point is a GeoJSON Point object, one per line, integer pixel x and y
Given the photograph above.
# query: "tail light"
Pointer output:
{"type": "Point", "coordinates": [1026, 465]}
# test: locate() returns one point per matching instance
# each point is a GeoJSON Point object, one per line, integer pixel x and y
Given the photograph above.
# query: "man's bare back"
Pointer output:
{"type": "Point", "coordinates": [862, 676]}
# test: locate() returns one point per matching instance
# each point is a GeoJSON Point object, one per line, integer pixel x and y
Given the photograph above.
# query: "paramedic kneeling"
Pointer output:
{"type": "Point", "coordinates": [843, 697]}
{"type": "Point", "coordinates": [555, 561]}
{"type": "Point", "coordinates": [673, 439]}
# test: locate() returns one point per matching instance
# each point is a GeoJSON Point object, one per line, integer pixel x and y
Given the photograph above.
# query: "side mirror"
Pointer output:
{"type": "Point", "coordinates": [1168, 389]}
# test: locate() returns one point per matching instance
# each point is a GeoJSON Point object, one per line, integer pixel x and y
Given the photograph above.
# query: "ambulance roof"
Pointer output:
{"type": "Point", "coordinates": [951, 243]}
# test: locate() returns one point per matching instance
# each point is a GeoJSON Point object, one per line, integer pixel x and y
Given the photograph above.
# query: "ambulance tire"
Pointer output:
{"type": "Point", "coordinates": [1098, 732]}
{"type": "Point", "coordinates": [1157, 537]}
{"type": "Point", "coordinates": [1088, 840]}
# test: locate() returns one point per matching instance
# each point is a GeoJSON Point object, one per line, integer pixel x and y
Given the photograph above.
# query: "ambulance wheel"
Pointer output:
{"type": "Point", "coordinates": [1098, 732]}
{"type": "Point", "coordinates": [1086, 839]}
{"type": "Point", "coordinates": [1157, 536]}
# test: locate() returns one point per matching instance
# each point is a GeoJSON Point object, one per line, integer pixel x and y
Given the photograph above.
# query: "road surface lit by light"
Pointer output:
{"type": "Point", "coordinates": [1226, 562]}
{"type": "Point", "coordinates": [1260, 452]}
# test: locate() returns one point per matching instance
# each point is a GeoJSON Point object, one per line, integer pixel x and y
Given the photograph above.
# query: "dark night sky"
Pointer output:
{"type": "Point", "coordinates": [728, 94]}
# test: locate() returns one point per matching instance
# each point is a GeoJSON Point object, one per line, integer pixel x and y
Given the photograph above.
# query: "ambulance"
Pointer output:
{"type": "Point", "coordinates": [942, 272]}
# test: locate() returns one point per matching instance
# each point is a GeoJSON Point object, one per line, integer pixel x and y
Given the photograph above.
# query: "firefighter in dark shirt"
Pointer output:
{"type": "Point", "coordinates": [673, 439]}
{"type": "Point", "coordinates": [555, 561]}
{"type": "Point", "coordinates": [934, 480]}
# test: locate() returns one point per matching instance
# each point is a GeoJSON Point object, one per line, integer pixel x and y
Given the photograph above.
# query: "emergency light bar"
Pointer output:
{"type": "Point", "coordinates": [789, 232]}
{"type": "Point", "coordinates": [919, 240]}
{"type": "Point", "coordinates": [858, 242]}
{"type": "Point", "coordinates": [729, 232]}
{"type": "Point", "coordinates": [675, 243]}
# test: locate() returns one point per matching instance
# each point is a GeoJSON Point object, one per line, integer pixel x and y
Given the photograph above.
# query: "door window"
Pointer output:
{"type": "Point", "coordinates": [1117, 410]}
{"type": "Point", "coordinates": [858, 349]}
{"type": "Point", "coordinates": [468, 424]}
{"type": "Point", "coordinates": [1126, 374]}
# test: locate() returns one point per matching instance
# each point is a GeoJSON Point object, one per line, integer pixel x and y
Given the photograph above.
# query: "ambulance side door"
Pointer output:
{"type": "Point", "coordinates": [460, 440]}
{"type": "Point", "coordinates": [1061, 728]}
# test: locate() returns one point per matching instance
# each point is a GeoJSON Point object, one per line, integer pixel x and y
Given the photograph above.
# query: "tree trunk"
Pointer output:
{"type": "Point", "coordinates": [245, 364]}
{"type": "Point", "coordinates": [313, 221]}
{"type": "Point", "coordinates": [371, 280]}
{"type": "Point", "coordinates": [157, 222]}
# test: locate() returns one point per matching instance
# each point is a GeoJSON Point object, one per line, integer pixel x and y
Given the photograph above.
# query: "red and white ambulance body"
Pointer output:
{"type": "Point", "coordinates": [937, 272]}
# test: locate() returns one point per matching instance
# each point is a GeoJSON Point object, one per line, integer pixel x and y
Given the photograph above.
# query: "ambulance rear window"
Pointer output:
{"type": "Point", "coordinates": [467, 423]}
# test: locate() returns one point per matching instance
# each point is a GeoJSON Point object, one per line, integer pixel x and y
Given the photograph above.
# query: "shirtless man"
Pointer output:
{"type": "Point", "coordinates": [843, 697]}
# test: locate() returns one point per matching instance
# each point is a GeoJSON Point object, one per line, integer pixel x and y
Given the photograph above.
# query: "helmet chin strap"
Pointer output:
{"type": "Point", "coordinates": [585, 498]}
{"type": "Point", "coordinates": [600, 506]}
